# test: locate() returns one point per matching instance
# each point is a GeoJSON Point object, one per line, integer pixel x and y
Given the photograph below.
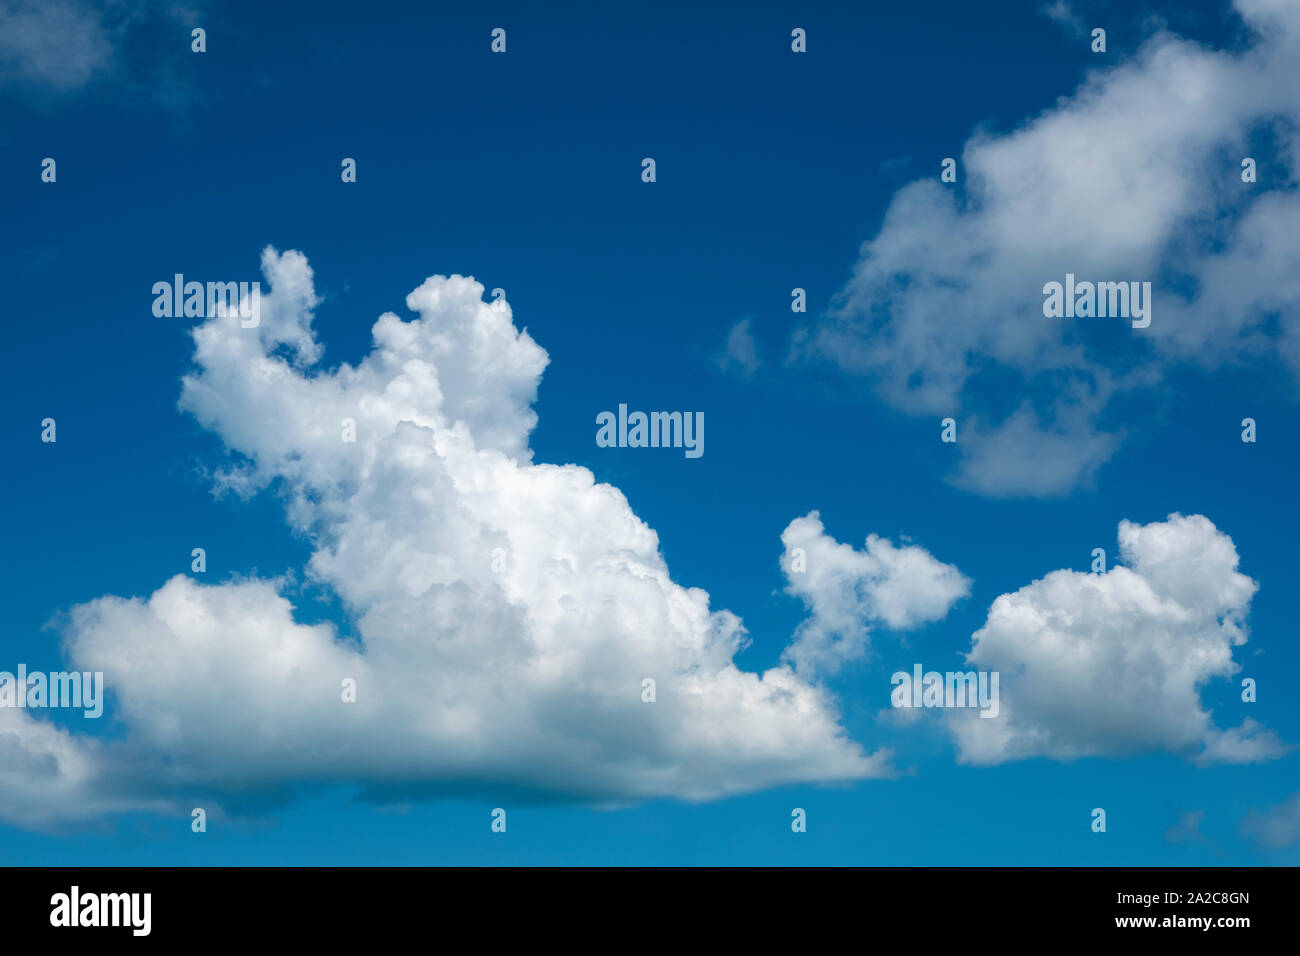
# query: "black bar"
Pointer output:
{"type": "Point", "coordinates": [613, 907]}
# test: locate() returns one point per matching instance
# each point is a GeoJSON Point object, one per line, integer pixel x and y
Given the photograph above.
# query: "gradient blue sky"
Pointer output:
{"type": "Point", "coordinates": [523, 170]}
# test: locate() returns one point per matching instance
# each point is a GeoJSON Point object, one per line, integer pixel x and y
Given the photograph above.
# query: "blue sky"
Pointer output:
{"type": "Point", "coordinates": [523, 170]}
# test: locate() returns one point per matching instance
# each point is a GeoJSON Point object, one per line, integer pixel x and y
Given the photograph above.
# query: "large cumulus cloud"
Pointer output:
{"type": "Point", "coordinates": [505, 612]}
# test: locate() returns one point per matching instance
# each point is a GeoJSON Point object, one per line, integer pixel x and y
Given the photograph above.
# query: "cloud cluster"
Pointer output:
{"type": "Point", "coordinates": [1136, 176]}
{"type": "Point", "coordinates": [505, 614]}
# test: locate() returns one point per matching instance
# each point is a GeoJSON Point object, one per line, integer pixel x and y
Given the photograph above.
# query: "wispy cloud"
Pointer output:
{"type": "Point", "coordinates": [1135, 176]}
{"type": "Point", "coordinates": [61, 47]}
{"type": "Point", "coordinates": [739, 355]}
{"type": "Point", "coordinates": [1275, 828]}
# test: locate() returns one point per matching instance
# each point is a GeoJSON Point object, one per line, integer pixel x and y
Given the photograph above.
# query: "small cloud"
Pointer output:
{"type": "Point", "coordinates": [62, 47]}
{"type": "Point", "coordinates": [1187, 829]}
{"type": "Point", "coordinates": [896, 167]}
{"type": "Point", "coordinates": [1062, 13]}
{"type": "Point", "coordinates": [1026, 456]}
{"type": "Point", "coordinates": [900, 718]}
{"type": "Point", "coordinates": [740, 356]}
{"type": "Point", "coordinates": [848, 591]}
{"type": "Point", "coordinates": [53, 43]}
{"type": "Point", "coordinates": [1275, 828]}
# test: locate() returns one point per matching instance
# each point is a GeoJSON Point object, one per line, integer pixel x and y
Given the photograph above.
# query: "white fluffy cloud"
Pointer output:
{"type": "Point", "coordinates": [1136, 176]}
{"type": "Point", "coordinates": [47, 775]}
{"type": "Point", "coordinates": [506, 613]}
{"type": "Point", "coordinates": [1113, 664]}
{"type": "Point", "coordinates": [847, 590]}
